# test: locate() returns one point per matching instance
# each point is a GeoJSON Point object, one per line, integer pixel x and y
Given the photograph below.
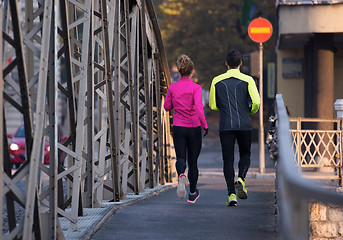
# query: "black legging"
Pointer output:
{"type": "Point", "coordinates": [188, 140]}
{"type": "Point", "coordinates": [227, 140]}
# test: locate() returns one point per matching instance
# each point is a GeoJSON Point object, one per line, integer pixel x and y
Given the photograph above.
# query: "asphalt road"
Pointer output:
{"type": "Point", "coordinates": [165, 216]}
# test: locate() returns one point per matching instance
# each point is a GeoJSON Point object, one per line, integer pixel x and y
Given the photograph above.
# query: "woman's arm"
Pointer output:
{"type": "Point", "coordinates": [168, 104]}
{"type": "Point", "coordinates": [199, 107]}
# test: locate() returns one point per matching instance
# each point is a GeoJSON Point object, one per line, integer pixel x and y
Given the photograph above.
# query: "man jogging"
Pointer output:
{"type": "Point", "coordinates": [236, 97]}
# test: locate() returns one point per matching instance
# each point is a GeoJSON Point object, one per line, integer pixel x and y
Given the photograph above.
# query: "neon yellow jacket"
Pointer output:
{"type": "Point", "coordinates": [235, 95]}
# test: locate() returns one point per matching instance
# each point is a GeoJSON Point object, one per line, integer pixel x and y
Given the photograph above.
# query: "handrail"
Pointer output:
{"type": "Point", "coordinates": [307, 2]}
{"type": "Point", "coordinates": [294, 192]}
{"type": "Point", "coordinates": [302, 119]}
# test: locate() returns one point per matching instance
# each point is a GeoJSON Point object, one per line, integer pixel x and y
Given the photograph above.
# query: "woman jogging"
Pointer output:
{"type": "Point", "coordinates": [184, 97]}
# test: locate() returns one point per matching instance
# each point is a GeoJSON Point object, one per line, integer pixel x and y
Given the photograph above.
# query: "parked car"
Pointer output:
{"type": "Point", "coordinates": [17, 147]}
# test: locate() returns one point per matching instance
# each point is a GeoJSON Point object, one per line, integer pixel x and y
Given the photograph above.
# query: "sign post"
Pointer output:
{"type": "Point", "coordinates": [260, 30]}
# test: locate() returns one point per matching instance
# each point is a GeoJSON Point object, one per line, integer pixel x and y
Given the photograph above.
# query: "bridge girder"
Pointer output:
{"type": "Point", "coordinates": [117, 137]}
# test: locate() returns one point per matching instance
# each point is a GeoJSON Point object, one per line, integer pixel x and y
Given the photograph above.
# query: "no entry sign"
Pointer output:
{"type": "Point", "coordinates": [260, 30]}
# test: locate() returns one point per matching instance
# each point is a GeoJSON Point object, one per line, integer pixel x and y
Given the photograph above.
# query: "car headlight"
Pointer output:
{"type": "Point", "coordinates": [14, 147]}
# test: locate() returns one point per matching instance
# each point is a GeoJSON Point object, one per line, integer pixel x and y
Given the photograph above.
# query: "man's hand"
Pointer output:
{"type": "Point", "coordinates": [206, 131]}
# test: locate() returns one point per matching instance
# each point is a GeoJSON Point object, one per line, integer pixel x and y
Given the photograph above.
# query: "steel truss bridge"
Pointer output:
{"type": "Point", "coordinates": [118, 139]}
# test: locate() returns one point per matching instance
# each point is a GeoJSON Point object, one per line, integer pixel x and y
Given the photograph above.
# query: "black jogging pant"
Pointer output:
{"type": "Point", "coordinates": [227, 140]}
{"type": "Point", "coordinates": [187, 143]}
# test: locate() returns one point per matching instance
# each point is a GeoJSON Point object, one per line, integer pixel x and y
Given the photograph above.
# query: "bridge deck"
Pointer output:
{"type": "Point", "coordinates": [164, 216]}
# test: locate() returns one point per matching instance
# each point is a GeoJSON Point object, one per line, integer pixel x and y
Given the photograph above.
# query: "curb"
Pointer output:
{"type": "Point", "coordinates": [94, 218]}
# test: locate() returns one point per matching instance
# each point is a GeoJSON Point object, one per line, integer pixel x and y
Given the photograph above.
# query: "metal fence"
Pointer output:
{"type": "Point", "coordinates": [318, 152]}
{"type": "Point", "coordinates": [117, 138]}
{"type": "Point", "coordinates": [293, 191]}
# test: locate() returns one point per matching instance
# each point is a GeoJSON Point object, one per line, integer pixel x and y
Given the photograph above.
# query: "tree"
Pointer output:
{"type": "Point", "coordinates": [205, 30]}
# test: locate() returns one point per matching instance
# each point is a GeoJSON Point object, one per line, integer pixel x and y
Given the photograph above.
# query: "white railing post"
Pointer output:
{"type": "Point", "coordinates": [339, 108]}
{"type": "Point", "coordinates": [338, 105]}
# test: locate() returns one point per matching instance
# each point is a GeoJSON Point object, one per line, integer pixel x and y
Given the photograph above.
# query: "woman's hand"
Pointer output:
{"type": "Point", "coordinates": [206, 131]}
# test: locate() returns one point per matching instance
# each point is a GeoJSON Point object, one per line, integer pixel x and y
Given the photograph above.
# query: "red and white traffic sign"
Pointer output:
{"type": "Point", "coordinates": [260, 30]}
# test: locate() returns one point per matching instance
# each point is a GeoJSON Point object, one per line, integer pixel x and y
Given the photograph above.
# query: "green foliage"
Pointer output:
{"type": "Point", "coordinates": [206, 29]}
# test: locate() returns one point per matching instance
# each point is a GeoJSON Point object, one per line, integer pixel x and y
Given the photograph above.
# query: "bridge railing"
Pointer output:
{"type": "Point", "coordinates": [308, 2]}
{"type": "Point", "coordinates": [318, 152]}
{"type": "Point", "coordinates": [293, 191]}
{"type": "Point", "coordinates": [109, 104]}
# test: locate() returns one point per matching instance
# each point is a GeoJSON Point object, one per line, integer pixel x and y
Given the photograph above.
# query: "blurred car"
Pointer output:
{"type": "Point", "coordinates": [17, 147]}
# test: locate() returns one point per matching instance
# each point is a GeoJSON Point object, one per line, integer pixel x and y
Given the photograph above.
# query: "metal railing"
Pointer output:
{"type": "Point", "coordinates": [307, 2]}
{"type": "Point", "coordinates": [318, 152]}
{"type": "Point", "coordinates": [293, 191]}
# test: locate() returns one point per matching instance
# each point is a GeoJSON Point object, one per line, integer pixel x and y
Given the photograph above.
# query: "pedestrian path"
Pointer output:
{"type": "Point", "coordinates": [159, 214]}
{"type": "Point", "coordinates": [167, 217]}
{"type": "Point", "coordinates": [94, 218]}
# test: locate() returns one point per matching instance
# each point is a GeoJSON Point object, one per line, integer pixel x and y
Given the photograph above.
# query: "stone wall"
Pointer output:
{"type": "Point", "coordinates": [326, 221]}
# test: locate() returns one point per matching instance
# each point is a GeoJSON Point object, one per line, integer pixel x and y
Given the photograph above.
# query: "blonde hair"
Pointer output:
{"type": "Point", "coordinates": [184, 65]}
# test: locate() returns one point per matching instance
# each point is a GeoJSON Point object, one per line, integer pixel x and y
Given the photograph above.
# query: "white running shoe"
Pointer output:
{"type": "Point", "coordinates": [181, 187]}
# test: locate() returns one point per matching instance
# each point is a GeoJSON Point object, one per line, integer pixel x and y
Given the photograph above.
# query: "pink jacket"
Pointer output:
{"type": "Point", "coordinates": [185, 97]}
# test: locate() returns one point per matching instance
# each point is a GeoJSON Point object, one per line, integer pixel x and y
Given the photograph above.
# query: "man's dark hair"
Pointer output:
{"type": "Point", "coordinates": [233, 58]}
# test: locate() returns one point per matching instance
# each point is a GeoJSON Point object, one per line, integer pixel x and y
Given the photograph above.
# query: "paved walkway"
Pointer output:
{"type": "Point", "coordinates": [159, 214]}
{"type": "Point", "coordinates": [167, 217]}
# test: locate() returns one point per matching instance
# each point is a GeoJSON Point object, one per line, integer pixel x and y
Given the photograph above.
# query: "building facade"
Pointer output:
{"type": "Point", "coordinates": [310, 56]}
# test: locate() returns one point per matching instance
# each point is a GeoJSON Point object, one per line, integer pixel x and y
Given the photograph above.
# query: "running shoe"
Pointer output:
{"type": "Point", "coordinates": [242, 191]}
{"type": "Point", "coordinates": [232, 200]}
{"type": "Point", "coordinates": [181, 187]}
{"type": "Point", "coordinates": [193, 197]}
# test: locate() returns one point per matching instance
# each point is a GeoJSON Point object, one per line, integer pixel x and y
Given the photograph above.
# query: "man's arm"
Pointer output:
{"type": "Point", "coordinates": [254, 95]}
{"type": "Point", "coordinates": [212, 98]}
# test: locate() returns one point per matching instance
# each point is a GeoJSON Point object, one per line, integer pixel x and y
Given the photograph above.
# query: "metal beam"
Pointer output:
{"type": "Point", "coordinates": [38, 144]}
{"type": "Point", "coordinates": [1, 124]}
{"type": "Point", "coordinates": [112, 65]}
